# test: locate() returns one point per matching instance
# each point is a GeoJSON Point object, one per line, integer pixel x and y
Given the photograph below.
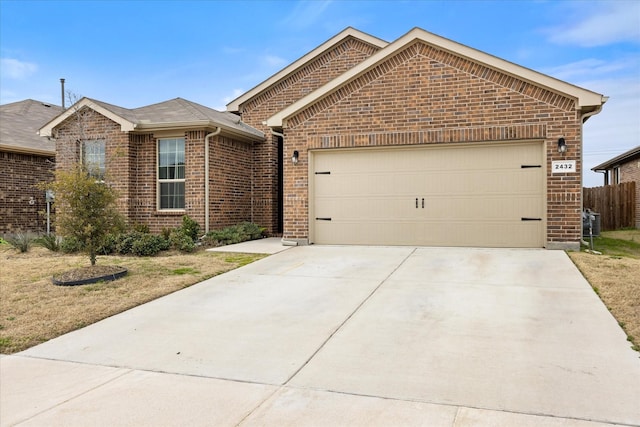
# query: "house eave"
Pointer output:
{"type": "Point", "coordinates": [206, 125]}
{"type": "Point", "coordinates": [586, 100]}
{"type": "Point", "coordinates": [625, 157]}
{"type": "Point", "coordinates": [25, 150]}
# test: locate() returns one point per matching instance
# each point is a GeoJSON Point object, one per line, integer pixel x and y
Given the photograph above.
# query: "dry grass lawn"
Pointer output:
{"type": "Point", "coordinates": [616, 277]}
{"type": "Point", "coordinates": [33, 310]}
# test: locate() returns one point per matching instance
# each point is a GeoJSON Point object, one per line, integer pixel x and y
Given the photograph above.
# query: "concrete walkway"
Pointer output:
{"type": "Point", "coordinates": [330, 336]}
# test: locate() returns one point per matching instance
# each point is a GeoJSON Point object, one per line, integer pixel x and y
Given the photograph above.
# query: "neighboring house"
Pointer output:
{"type": "Point", "coordinates": [26, 160]}
{"type": "Point", "coordinates": [165, 160]}
{"type": "Point", "coordinates": [422, 141]}
{"type": "Point", "coordinates": [623, 168]}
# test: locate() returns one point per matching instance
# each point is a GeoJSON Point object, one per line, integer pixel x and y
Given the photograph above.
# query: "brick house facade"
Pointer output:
{"type": "Point", "coordinates": [131, 158]}
{"type": "Point", "coordinates": [26, 160]}
{"type": "Point", "coordinates": [423, 89]}
{"type": "Point", "coordinates": [356, 94]}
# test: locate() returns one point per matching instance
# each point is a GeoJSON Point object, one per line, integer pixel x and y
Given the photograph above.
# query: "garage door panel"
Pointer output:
{"type": "Point", "coordinates": [466, 195]}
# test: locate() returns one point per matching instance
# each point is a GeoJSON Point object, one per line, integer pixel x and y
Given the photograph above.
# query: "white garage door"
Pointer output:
{"type": "Point", "coordinates": [488, 195]}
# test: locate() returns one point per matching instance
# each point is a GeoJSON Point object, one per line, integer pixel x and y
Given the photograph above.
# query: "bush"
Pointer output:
{"type": "Point", "coordinates": [21, 241]}
{"type": "Point", "coordinates": [235, 234]}
{"type": "Point", "coordinates": [182, 242]}
{"type": "Point", "coordinates": [190, 228]}
{"type": "Point", "coordinates": [48, 241]}
{"type": "Point", "coordinates": [149, 245]}
{"type": "Point", "coordinates": [71, 245]}
{"type": "Point", "coordinates": [125, 242]}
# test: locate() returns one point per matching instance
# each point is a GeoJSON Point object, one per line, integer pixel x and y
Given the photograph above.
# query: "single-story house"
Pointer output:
{"type": "Point", "coordinates": [623, 168]}
{"type": "Point", "coordinates": [165, 160]}
{"type": "Point", "coordinates": [422, 141]}
{"type": "Point", "coordinates": [26, 160]}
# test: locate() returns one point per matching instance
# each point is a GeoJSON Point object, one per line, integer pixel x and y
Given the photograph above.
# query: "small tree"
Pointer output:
{"type": "Point", "coordinates": [86, 208]}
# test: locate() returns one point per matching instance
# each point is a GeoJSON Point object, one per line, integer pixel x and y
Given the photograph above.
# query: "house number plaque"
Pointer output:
{"type": "Point", "coordinates": [563, 166]}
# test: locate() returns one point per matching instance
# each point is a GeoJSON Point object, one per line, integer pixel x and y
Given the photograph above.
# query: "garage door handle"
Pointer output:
{"type": "Point", "coordinates": [416, 203]}
{"type": "Point", "coordinates": [423, 203]}
{"type": "Point", "coordinates": [323, 219]}
{"type": "Point", "coordinates": [530, 219]}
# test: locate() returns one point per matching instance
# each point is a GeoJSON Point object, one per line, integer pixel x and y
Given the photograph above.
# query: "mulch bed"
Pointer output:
{"type": "Point", "coordinates": [87, 275]}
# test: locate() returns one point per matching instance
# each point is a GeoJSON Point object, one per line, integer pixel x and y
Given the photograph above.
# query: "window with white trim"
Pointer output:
{"type": "Point", "coordinates": [171, 173]}
{"type": "Point", "coordinates": [93, 158]}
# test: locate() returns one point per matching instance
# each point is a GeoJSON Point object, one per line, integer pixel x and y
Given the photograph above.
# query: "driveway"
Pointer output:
{"type": "Point", "coordinates": [323, 335]}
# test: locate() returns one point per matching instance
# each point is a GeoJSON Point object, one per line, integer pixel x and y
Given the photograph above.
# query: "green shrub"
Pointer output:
{"type": "Point", "coordinates": [140, 228]}
{"type": "Point", "coordinates": [149, 245]}
{"type": "Point", "coordinates": [21, 241]}
{"type": "Point", "coordinates": [71, 245]}
{"type": "Point", "coordinates": [125, 242]}
{"type": "Point", "coordinates": [182, 242]}
{"type": "Point", "coordinates": [48, 241]}
{"type": "Point", "coordinates": [110, 244]}
{"type": "Point", "coordinates": [254, 231]}
{"type": "Point", "coordinates": [190, 228]}
{"type": "Point", "coordinates": [235, 234]}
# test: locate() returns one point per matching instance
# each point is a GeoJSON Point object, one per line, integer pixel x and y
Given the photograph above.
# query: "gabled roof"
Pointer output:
{"type": "Point", "coordinates": [19, 124]}
{"type": "Point", "coordinates": [293, 67]}
{"type": "Point", "coordinates": [174, 114]}
{"type": "Point", "coordinates": [625, 157]}
{"type": "Point", "coordinates": [587, 100]}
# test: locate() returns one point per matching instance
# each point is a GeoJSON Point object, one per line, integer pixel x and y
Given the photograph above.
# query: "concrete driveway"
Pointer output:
{"type": "Point", "coordinates": [324, 335]}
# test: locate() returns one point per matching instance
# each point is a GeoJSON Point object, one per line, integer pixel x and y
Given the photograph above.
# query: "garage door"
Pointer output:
{"type": "Point", "coordinates": [489, 195]}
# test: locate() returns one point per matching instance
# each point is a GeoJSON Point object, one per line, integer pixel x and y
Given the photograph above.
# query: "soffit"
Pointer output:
{"type": "Point", "coordinates": [587, 100]}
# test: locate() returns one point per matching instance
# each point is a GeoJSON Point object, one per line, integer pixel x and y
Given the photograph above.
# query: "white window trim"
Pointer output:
{"type": "Point", "coordinates": [159, 181]}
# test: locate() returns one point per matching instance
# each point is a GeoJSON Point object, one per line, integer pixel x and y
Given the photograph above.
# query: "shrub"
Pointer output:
{"type": "Point", "coordinates": [21, 241]}
{"type": "Point", "coordinates": [109, 244]}
{"type": "Point", "coordinates": [140, 228]}
{"type": "Point", "coordinates": [71, 245]}
{"type": "Point", "coordinates": [125, 242]}
{"type": "Point", "coordinates": [182, 242]}
{"type": "Point", "coordinates": [190, 228]}
{"type": "Point", "coordinates": [149, 245]}
{"type": "Point", "coordinates": [235, 234]}
{"type": "Point", "coordinates": [48, 241]}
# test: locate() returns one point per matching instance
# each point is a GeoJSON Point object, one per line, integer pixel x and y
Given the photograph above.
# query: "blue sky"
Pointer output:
{"type": "Point", "coordinates": [136, 53]}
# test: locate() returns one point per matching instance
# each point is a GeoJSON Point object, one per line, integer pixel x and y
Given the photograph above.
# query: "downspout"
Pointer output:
{"type": "Point", "coordinates": [283, 240]}
{"type": "Point", "coordinates": [583, 118]}
{"type": "Point", "coordinates": [206, 177]}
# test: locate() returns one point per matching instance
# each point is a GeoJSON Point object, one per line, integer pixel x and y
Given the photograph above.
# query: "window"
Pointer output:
{"type": "Point", "coordinates": [93, 158]}
{"type": "Point", "coordinates": [171, 173]}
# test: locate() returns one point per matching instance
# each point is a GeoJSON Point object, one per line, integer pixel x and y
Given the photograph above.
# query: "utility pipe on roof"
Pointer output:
{"type": "Point", "coordinates": [206, 177]}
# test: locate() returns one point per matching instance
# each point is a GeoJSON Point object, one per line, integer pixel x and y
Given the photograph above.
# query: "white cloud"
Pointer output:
{"type": "Point", "coordinates": [591, 68]}
{"type": "Point", "coordinates": [227, 99]}
{"type": "Point", "coordinates": [273, 61]}
{"type": "Point", "coordinates": [16, 69]}
{"type": "Point", "coordinates": [305, 14]}
{"type": "Point", "coordinates": [606, 23]}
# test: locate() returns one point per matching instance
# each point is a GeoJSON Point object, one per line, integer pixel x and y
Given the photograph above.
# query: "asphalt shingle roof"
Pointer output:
{"type": "Point", "coordinates": [19, 124]}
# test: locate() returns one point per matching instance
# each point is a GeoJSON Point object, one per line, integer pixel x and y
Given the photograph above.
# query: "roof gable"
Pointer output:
{"type": "Point", "coordinates": [586, 100]}
{"type": "Point", "coordinates": [176, 113]}
{"type": "Point", "coordinates": [305, 60]}
{"type": "Point", "coordinates": [19, 124]}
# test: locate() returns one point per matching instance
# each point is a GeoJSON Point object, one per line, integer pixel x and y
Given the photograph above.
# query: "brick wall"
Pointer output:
{"type": "Point", "coordinates": [131, 170]}
{"type": "Point", "coordinates": [316, 73]}
{"type": "Point", "coordinates": [629, 172]}
{"type": "Point", "coordinates": [423, 95]}
{"type": "Point", "coordinates": [22, 204]}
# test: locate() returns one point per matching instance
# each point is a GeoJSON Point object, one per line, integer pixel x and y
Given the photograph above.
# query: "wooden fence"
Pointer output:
{"type": "Point", "coordinates": [616, 205]}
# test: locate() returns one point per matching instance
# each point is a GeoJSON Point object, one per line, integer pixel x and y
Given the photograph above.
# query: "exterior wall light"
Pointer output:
{"type": "Point", "coordinates": [295, 156]}
{"type": "Point", "coordinates": [562, 145]}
